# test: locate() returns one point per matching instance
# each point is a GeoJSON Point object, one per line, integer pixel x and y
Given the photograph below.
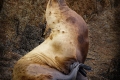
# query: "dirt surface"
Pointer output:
{"type": "Point", "coordinates": [22, 25]}
{"type": "Point", "coordinates": [103, 45]}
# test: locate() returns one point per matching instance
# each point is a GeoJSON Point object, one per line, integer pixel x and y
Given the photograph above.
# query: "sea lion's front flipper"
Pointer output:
{"type": "Point", "coordinates": [75, 68]}
{"type": "Point", "coordinates": [84, 67]}
{"type": "Point", "coordinates": [73, 74]}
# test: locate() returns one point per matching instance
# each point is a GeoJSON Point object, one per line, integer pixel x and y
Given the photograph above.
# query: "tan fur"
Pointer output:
{"type": "Point", "coordinates": [67, 43]}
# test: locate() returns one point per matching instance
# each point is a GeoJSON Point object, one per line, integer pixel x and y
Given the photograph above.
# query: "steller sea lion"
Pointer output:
{"type": "Point", "coordinates": [66, 44]}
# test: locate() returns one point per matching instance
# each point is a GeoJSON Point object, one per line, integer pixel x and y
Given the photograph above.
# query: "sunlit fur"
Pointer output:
{"type": "Point", "coordinates": [67, 43]}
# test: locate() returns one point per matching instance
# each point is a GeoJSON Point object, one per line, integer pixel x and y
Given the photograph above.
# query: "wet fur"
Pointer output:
{"type": "Point", "coordinates": [66, 44]}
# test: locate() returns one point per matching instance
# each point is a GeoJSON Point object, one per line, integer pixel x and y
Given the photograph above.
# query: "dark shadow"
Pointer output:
{"type": "Point", "coordinates": [116, 3]}
{"type": "Point", "coordinates": [1, 4]}
{"type": "Point", "coordinates": [115, 64]}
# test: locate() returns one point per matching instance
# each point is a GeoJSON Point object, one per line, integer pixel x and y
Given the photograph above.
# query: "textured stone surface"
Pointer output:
{"type": "Point", "coordinates": [22, 25]}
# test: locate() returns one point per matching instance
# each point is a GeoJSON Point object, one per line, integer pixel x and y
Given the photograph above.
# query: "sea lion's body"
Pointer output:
{"type": "Point", "coordinates": [66, 44]}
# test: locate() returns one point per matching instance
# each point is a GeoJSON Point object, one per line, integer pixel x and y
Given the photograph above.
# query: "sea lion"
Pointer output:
{"type": "Point", "coordinates": [66, 44]}
{"type": "Point", "coordinates": [42, 72]}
